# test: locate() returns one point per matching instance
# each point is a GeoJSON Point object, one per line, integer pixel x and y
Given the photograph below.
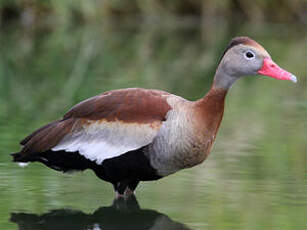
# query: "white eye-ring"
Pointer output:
{"type": "Point", "coordinates": [249, 55]}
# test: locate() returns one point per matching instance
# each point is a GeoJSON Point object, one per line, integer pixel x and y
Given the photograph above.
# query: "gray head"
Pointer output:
{"type": "Point", "coordinates": [243, 56]}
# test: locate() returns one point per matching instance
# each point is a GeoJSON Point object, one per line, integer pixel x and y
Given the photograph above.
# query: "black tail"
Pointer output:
{"type": "Point", "coordinates": [17, 157]}
{"type": "Point", "coordinates": [58, 160]}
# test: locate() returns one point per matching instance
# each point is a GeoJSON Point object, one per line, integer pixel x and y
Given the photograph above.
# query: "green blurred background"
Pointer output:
{"type": "Point", "coordinates": [54, 54]}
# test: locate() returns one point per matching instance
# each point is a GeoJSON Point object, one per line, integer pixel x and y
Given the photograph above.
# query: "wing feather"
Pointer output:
{"type": "Point", "coordinates": [102, 140]}
{"type": "Point", "coordinates": [104, 126]}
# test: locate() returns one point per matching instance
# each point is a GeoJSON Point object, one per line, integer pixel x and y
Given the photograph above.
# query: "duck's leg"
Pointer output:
{"type": "Point", "coordinates": [120, 188]}
{"type": "Point", "coordinates": [131, 187]}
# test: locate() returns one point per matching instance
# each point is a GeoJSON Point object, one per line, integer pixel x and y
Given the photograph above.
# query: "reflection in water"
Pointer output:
{"type": "Point", "coordinates": [121, 215]}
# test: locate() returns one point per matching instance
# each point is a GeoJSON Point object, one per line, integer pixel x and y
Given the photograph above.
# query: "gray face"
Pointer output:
{"type": "Point", "coordinates": [242, 60]}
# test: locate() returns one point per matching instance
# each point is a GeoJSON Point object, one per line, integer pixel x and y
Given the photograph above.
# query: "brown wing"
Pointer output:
{"type": "Point", "coordinates": [127, 105]}
{"type": "Point", "coordinates": [105, 125]}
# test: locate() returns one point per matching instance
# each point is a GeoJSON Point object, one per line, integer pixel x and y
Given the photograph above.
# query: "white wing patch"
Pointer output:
{"type": "Point", "coordinates": [101, 140]}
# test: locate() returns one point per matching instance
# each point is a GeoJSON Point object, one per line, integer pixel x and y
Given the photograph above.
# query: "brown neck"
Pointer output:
{"type": "Point", "coordinates": [213, 102]}
{"type": "Point", "coordinates": [211, 108]}
{"type": "Point", "coordinates": [214, 99]}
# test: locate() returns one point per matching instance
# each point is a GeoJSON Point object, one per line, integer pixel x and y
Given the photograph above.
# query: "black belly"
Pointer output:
{"type": "Point", "coordinates": [130, 166]}
{"type": "Point", "coordinates": [133, 165]}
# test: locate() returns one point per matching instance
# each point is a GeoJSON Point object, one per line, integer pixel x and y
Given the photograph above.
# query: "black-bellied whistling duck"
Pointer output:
{"type": "Point", "coordinates": [130, 135]}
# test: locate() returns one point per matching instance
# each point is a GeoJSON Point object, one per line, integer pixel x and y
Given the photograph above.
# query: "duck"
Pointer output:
{"type": "Point", "coordinates": [130, 135]}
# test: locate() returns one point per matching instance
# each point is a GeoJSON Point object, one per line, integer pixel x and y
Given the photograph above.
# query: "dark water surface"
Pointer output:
{"type": "Point", "coordinates": [255, 177]}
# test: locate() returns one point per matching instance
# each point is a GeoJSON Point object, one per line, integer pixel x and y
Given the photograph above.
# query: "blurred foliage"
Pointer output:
{"type": "Point", "coordinates": [35, 12]}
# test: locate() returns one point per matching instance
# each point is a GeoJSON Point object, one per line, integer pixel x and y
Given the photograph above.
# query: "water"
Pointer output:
{"type": "Point", "coordinates": [255, 177]}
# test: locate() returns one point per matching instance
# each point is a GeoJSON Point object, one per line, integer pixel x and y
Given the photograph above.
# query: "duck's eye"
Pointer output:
{"type": "Point", "coordinates": [249, 55]}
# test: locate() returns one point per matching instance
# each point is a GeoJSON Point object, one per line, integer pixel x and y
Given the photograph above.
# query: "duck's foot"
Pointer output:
{"type": "Point", "coordinates": [128, 192]}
